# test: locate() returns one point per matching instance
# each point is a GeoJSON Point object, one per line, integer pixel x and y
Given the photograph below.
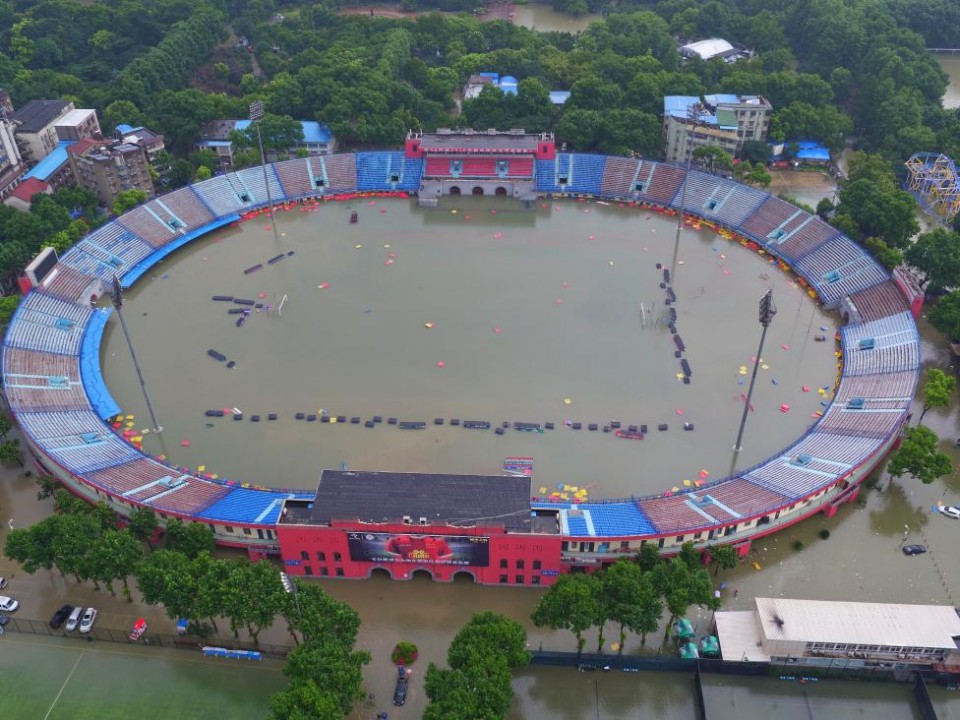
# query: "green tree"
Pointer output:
{"type": "Point", "coordinates": [304, 700]}
{"type": "Point", "coordinates": [945, 315]}
{"type": "Point", "coordinates": [143, 523]}
{"type": "Point", "coordinates": [627, 597]}
{"type": "Point", "coordinates": [569, 604]}
{"type": "Point", "coordinates": [10, 452]}
{"type": "Point", "coordinates": [712, 158]}
{"type": "Point", "coordinates": [8, 306]}
{"type": "Point", "coordinates": [6, 425]}
{"type": "Point", "coordinates": [191, 539]}
{"type": "Point", "coordinates": [755, 151]}
{"type": "Point", "coordinates": [919, 456]}
{"type": "Point", "coordinates": [114, 557]}
{"type": "Point", "coordinates": [937, 391]}
{"type": "Point", "coordinates": [127, 199]}
{"type": "Point", "coordinates": [683, 582]}
{"type": "Point", "coordinates": [203, 173]}
{"type": "Point", "coordinates": [241, 607]}
{"type": "Point", "coordinates": [723, 557]}
{"type": "Point", "coordinates": [937, 255]}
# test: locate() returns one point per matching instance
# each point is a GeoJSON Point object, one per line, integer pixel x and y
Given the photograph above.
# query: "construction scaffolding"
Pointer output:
{"type": "Point", "coordinates": [933, 180]}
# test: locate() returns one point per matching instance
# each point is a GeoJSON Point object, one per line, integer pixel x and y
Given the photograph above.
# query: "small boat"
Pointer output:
{"type": "Point", "coordinates": [412, 425]}
{"type": "Point", "coordinates": [354, 217]}
{"type": "Point", "coordinates": [629, 434]}
{"type": "Point", "coordinates": [476, 424]}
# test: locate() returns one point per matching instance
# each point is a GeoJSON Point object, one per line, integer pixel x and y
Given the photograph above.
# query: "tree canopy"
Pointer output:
{"type": "Point", "coordinates": [919, 456]}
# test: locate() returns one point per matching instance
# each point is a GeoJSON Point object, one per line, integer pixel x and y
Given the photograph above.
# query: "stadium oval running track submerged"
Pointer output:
{"type": "Point", "coordinates": [54, 385]}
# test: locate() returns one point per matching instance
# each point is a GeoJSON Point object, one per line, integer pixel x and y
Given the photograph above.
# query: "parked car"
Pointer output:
{"type": "Point", "coordinates": [951, 511]}
{"type": "Point", "coordinates": [8, 604]}
{"type": "Point", "coordinates": [3, 582]}
{"type": "Point", "coordinates": [400, 693]}
{"type": "Point", "coordinates": [914, 549]}
{"type": "Point", "coordinates": [74, 619]}
{"type": "Point", "coordinates": [88, 619]}
{"type": "Point", "coordinates": [60, 616]}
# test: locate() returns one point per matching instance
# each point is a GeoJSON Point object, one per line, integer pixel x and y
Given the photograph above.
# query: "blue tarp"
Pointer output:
{"type": "Point", "coordinates": [559, 97]}
{"type": "Point", "coordinates": [90, 372]}
{"type": "Point", "coordinates": [137, 271]}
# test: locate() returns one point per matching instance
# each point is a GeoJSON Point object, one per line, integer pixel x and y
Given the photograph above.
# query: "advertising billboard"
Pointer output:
{"type": "Point", "coordinates": [411, 548]}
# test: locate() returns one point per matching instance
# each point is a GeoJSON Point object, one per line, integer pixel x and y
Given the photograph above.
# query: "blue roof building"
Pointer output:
{"type": "Point", "coordinates": [317, 138]}
{"type": "Point", "coordinates": [52, 163]}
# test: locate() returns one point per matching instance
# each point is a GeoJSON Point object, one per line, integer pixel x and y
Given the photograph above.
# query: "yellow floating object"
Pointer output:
{"type": "Point", "coordinates": [138, 438]}
{"type": "Point", "coordinates": [687, 483]}
{"type": "Point", "coordinates": [680, 262]}
{"type": "Point", "coordinates": [567, 401]}
{"type": "Point", "coordinates": [564, 496]}
{"type": "Point", "coordinates": [742, 371]}
{"type": "Point", "coordinates": [764, 367]}
{"type": "Point", "coordinates": [675, 489]}
{"type": "Point", "coordinates": [574, 489]}
{"type": "Point", "coordinates": [201, 468]}
{"type": "Point", "coordinates": [453, 212]}
{"type": "Point", "coordinates": [357, 246]}
{"type": "Point", "coordinates": [611, 263]}
{"type": "Point", "coordinates": [428, 325]}
{"type": "Point", "coordinates": [333, 419]}
{"type": "Point", "coordinates": [679, 376]}
{"type": "Point", "coordinates": [129, 417]}
{"type": "Point", "coordinates": [756, 566]}
{"type": "Point", "coordinates": [386, 245]}
{"type": "Point", "coordinates": [543, 491]}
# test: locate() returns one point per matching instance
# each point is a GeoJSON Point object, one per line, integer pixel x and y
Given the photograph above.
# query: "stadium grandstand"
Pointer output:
{"type": "Point", "coordinates": [53, 382]}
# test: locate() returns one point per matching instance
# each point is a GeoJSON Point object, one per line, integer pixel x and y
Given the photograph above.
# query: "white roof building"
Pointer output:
{"type": "Point", "coordinates": [708, 49]}
{"type": "Point", "coordinates": [827, 630]}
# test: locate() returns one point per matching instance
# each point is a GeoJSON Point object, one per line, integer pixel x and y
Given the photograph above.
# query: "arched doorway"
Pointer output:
{"type": "Point", "coordinates": [455, 190]}
{"type": "Point", "coordinates": [421, 575]}
{"type": "Point", "coordinates": [381, 573]}
{"type": "Point", "coordinates": [464, 577]}
{"type": "Point", "coordinates": [478, 190]}
{"type": "Point", "coordinates": [501, 191]}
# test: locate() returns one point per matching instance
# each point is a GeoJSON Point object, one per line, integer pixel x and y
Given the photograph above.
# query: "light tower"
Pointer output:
{"type": "Point", "coordinates": [118, 304]}
{"type": "Point", "coordinates": [767, 311]}
{"type": "Point", "coordinates": [256, 115]}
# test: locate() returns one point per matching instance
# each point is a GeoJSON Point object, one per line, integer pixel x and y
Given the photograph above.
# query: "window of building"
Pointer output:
{"type": "Point", "coordinates": [503, 563]}
{"type": "Point", "coordinates": [535, 580]}
{"type": "Point", "coordinates": [228, 529]}
{"type": "Point", "coordinates": [519, 564]}
{"type": "Point", "coordinates": [246, 531]}
{"type": "Point", "coordinates": [307, 570]}
{"type": "Point", "coordinates": [519, 579]}
{"type": "Point", "coordinates": [679, 538]}
{"type": "Point", "coordinates": [336, 557]}
{"type": "Point", "coordinates": [339, 572]}
{"type": "Point", "coordinates": [536, 564]}
{"type": "Point", "coordinates": [324, 572]}
{"type": "Point", "coordinates": [624, 544]}
{"type": "Point", "coordinates": [304, 555]}
{"type": "Point", "coordinates": [503, 579]}
{"type": "Point", "coordinates": [321, 556]}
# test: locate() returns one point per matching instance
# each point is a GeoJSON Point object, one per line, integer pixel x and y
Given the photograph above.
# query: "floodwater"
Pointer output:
{"type": "Point", "coordinates": [544, 314]}
{"type": "Point", "coordinates": [738, 698]}
{"type": "Point", "coordinates": [951, 66]}
{"type": "Point", "coordinates": [544, 18]}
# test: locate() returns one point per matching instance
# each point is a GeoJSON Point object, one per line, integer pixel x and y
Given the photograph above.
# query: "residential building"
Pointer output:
{"type": "Point", "coordinates": [78, 125]}
{"type": "Point", "coordinates": [151, 143]}
{"type": "Point", "coordinates": [36, 131]}
{"type": "Point", "coordinates": [727, 121]}
{"type": "Point", "coordinates": [317, 139]}
{"type": "Point", "coordinates": [12, 166]}
{"type": "Point", "coordinates": [108, 167]}
{"type": "Point", "coordinates": [19, 197]}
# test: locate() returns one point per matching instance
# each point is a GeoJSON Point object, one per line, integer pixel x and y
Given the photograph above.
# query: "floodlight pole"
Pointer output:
{"type": "Point", "coordinates": [290, 587]}
{"type": "Point", "coordinates": [256, 114]}
{"type": "Point", "coordinates": [118, 304]}
{"type": "Point", "coordinates": [693, 114]}
{"type": "Point", "coordinates": [767, 311]}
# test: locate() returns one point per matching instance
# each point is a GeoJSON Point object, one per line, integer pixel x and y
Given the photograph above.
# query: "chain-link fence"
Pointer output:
{"type": "Point", "coordinates": [166, 640]}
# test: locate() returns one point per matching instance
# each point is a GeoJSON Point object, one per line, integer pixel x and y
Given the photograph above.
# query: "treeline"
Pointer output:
{"type": "Point", "coordinates": [88, 543]}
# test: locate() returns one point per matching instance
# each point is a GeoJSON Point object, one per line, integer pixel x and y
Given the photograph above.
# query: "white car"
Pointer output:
{"type": "Point", "coordinates": [8, 604]}
{"type": "Point", "coordinates": [951, 511]}
{"type": "Point", "coordinates": [89, 617]}
{"type": "Point", "coordinates": [73, 620]}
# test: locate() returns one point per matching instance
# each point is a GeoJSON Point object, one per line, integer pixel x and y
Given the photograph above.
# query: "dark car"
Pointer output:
{"type": "Point", "coordinates": [60, 616]}
{"type": "Point", "coordinates": [400, 693]}
{"type": "Point", "coordinates": [914, 549]}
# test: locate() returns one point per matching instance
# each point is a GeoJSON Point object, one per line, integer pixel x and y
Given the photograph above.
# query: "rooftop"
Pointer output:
{"type": "Point", "coordinates": [75, 117]}
{"type": "Point", "coordinates": [44, 169]}
{"type": "Point", "coordinates": [707, 49]}
{"type": "Point", "coordinates": [855, 623]}
{"type": "Point", "coordinates": [28, 188]}
{"type": "Point", "coordinates": [461, 500]}
{"type": "Point", "coordinates": [37, 114]}
{"type": "Point", "coordinates": [449, 140]}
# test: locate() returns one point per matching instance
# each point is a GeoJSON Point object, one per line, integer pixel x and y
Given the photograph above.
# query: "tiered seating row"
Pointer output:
{"type": "Point", "coordinates": [438, 167]}
{"type": "Point", "coordinates": [297, 178]}
{"type": "Point", "coordinates": [156, 231]}
{"type": "Point", "coordinates": [571, 173]}
{"type": "Point", "coordinates": [380, 171]}
{"type": "Point", "coordinates": [68, 283]}
{"type": "Point", "coordinates": [662, 184]}
{"type": "Point", "coordinates": [714, 197]}
{"type": "Point", "coordinates": [520, 167]}
{"type": "Point", "coordinates": [882, 300]}
{"type": "Point", "coordinates": [838, 268]}
{"type": "Point", "coordinates": [618, 177]}
{"type": "Point", "coordinates": [805, 235]}
{"type": "Point", "coordinates": [770, 216]}
{"type": "Point", "coordinates": [186, 205]}
{"type": "Point", "coordinates": [341, 171]}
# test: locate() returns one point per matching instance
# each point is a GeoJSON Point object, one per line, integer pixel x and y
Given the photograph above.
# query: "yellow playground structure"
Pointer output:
{"type": "Point", "coordinates": [933, 180]}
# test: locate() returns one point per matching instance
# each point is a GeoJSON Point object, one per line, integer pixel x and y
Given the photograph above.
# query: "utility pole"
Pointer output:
{"type": "Point", "coordinates": [693, 115]}
{"type": "Point", "coordinates": [118, 304]}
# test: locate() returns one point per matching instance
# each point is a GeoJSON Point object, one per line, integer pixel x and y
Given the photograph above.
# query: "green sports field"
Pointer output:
{"type": "Point", "coordinates": [53, 679]}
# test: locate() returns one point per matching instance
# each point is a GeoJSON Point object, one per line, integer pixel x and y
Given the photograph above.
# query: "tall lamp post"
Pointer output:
{"type": "Point", "coordinates": [118, 304]}
{"type": "Point", "coordinates": [290, 587]}
{"type": "Point", "coordinates": [256, 115]}
{"type": "Point", "coordinates": [767, 311]}
{"type": "Point", "coordinates": [693, 115]}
